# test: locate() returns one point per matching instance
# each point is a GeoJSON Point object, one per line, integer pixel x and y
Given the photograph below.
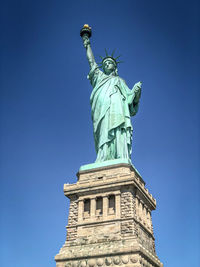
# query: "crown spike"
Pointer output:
{"type": "Point", "coordinates": [117, 57]}
{"type": "Point", "coordinates": [113, 52]}
{"type": "Point", "coordinates": [101, 57]}
{"type": "Point", "coordinates": [106, 52]}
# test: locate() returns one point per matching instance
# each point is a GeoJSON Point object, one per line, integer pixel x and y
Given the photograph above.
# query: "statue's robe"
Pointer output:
{"type": "Point", "coordinates": [112, 104]}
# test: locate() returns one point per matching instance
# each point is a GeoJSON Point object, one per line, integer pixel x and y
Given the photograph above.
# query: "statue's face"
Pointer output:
{"type": "Point", "coordinates": [108, 66]}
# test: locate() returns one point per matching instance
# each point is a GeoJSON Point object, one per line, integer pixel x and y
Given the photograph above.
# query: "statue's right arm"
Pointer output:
{"type": "Point", "coordinates": [89, 53]}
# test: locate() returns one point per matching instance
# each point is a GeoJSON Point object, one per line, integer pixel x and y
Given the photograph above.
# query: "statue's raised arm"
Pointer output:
{"type": "Point", "coordinates": [86, 34]}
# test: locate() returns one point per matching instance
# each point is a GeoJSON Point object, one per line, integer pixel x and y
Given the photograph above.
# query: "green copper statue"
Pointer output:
{"type": "Point", "coordinates": [113, 104]}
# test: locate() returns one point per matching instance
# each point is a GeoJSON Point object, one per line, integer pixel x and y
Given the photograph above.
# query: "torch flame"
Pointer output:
{"type": "Point", "coordinates": [86, 26]}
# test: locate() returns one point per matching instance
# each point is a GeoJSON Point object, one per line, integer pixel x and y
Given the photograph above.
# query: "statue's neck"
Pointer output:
{"type": "Point", "coordinates": [112, 74]}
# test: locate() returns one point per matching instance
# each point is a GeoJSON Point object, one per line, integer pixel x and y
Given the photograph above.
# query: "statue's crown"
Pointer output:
{"type": "Point", "coordinates": [111, 57]}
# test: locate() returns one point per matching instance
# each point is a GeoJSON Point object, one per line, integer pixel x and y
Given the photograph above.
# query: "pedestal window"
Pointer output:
{"type": "Point", "coordinates": [86, 207]}
{"type": "Point", "coordinates": [99, 206]}
{"type": "Point", "coordinates": [111, 204]}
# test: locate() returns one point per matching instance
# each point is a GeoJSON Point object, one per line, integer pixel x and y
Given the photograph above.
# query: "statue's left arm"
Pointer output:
{"type": "Point", "coordinates": [134, 97]}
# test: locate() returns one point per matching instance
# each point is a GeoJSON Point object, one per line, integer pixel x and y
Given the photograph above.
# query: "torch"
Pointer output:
{"type": "Point", "coordinates": [86, 30]}
{"type": "Point", "coordinates": [86, 33]}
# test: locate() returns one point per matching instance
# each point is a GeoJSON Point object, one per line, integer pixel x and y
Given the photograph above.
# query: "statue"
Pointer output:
{"type": "Point", "coordinates": [112, 104]}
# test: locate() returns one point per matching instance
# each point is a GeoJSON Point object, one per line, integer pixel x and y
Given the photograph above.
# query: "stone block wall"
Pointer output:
{"type": "Point", "coordinates": [127, 211]}
{"type": "Point", "coordinates": [127, 203]}
{"type": "Point", "coordinates": [72, 219]}
{"type": "Point", "coordinates": [145, 239]}
{"type": "Point", "coordinates": [73, 211]}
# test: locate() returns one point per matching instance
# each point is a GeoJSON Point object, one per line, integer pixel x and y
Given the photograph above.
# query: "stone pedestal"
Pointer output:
{"type": "Point", "coordinates": [109, 220]}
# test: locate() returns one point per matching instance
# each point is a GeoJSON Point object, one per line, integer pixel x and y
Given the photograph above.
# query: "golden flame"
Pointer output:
{"type": "Point", "coordinates": [86, 26]}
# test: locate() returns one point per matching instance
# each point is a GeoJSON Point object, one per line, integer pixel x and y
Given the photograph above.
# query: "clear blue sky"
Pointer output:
{"type": "Point", "coordinates": [46, 128]}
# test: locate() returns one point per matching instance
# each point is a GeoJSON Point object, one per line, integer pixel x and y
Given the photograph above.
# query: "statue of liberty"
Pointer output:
{"type": "Point", "coordinates": [112, 105]}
